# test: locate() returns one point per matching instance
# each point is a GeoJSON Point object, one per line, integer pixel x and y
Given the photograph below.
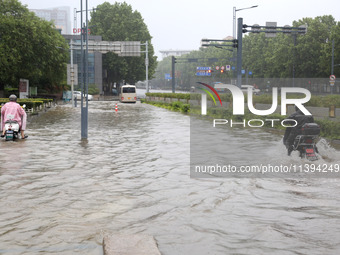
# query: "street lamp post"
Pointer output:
{"type": "Point", "coordinates": [234, 29]}
{"type": "Point", "coordinates": [234, 17]}
{"type": "Point", "coordinates": [85, 76]}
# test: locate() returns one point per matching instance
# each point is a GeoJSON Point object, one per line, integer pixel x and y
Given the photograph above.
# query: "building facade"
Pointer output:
{"type": "Point", "coordinates": [60, 16]}
{"type": "Point", "coordinates": [95, 70]}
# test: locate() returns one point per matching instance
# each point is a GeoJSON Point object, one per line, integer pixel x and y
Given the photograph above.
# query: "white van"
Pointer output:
{"type": "Point", "coordinates": [128, 94]}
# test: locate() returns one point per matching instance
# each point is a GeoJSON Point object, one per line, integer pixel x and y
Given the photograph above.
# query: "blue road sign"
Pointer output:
{"type": "Point", "coordinates": [168, 76]}
{"type": "Point", "coordinates": [203, 71]}
{"type": "Point", "coordinates": [243, 71]}
{"type": "Point", "coordinates": [250, 73]}
{"type": "Point", "coordinates": [203, 68]}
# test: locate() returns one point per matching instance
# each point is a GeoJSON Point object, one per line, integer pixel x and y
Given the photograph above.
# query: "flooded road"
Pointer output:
{"type": "Point", "coordinates": [61, 195]}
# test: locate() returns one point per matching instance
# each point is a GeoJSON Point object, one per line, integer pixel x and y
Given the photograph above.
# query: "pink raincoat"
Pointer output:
{"type": "Point", "coordinates": [13, 108]}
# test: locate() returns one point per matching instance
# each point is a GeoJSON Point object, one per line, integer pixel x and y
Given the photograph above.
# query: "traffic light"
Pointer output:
{"type": "Point", "coordinates": [235, 43]}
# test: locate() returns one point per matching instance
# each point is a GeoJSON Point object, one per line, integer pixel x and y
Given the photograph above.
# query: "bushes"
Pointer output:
{"type": "Point", "coordinates": [174, 106]}
{"type": "Point", "coordinates": [170, 95]}
{"type": "Point", "coordinates": [29, 102]}
{"type": "Point", "coordinates": [318, 101]}
{"type": "Point", "coordinates": [329, 129]}
{"type": "Point", "coordinates": [93, 89]}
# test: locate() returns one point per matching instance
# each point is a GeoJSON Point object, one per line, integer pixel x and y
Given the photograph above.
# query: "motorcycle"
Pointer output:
{"type": "Point", "coordinates": [12, 129]}
{"type": "Point", "coordinates": [305, 142]}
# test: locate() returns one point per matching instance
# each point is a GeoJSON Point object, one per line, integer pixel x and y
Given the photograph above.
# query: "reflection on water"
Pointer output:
{"type": "Point", "coordinates": [60, 195]}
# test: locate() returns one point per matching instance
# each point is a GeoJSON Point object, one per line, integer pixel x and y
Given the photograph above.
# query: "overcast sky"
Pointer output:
{"type": "Point", "coordinates": [181, 24]}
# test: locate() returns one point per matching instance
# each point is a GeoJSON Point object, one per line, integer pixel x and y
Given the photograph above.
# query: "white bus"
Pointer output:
{"type": "Point", "coordinates": [128, 94]}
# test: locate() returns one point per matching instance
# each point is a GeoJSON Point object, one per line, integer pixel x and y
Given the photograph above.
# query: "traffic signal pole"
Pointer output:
{"type": "Point", "coordinates": [85, 76]}
{"type": "Point", "coordinates": [173, 80]}
{"type": "Point", "coordinates": [239, 51]}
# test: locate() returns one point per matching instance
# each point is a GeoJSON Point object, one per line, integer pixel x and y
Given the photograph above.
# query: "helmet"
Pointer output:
{"type": "Point", "coordinates": [13, 98]}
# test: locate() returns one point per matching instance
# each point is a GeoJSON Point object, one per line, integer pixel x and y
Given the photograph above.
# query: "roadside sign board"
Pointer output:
{"type": "Point", "coordinates": [271, 26]}
{"type": "Point", "coordinates": [203, 71]}
{"type": "Point", "coordinates": [72, 75]}
{"type": "Point", "coordinates": [24, 88]}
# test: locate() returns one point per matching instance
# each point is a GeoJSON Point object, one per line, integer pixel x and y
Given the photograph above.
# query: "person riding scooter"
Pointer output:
{"type": "Point", "coordinates": [292, 132]}
{"type": "Point", "coordinates": [13, 109]}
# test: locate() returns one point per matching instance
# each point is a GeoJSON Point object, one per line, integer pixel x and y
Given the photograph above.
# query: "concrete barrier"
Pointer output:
{"type": "Point", "coordinates": [138, 244]}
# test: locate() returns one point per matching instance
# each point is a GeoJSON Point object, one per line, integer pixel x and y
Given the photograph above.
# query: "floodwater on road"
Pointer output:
{"type": "Point", "coordinates": [61, 195]}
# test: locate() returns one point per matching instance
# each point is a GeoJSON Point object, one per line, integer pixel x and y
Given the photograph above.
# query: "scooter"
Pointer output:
{"type": "Point", "coordinates": [305, 142]}
{"type": "Point", "coordinates": [12, 129]}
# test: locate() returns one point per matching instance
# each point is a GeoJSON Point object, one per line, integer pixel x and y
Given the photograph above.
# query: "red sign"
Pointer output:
{"type": "Point", "coordinates": [78, 30]}
{"type": "Point", "coordinates": [23, 86]}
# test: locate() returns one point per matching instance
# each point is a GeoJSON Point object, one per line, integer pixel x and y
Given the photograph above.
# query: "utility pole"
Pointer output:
{"type": "Point", "coordinates": [173, 61]}
{"type": "Point", "coordinates": [85, 75]}
{"type": "Point", "coordinates": [332, 69]}
{"type": "Point", "coordinates": [294, 57]}
{"type": "Point", "coordinates": [239, 51]}
{"type": "Point", "coordinates": [234, 30]}
{"type": "Point", "coordinates": [72, 74]}
{"type": "Point", "coordinates": [147, 66]}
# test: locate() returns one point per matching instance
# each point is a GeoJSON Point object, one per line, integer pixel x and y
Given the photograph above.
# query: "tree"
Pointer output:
{"type": "Point", "coordinates": [118, 22]}
{"type": "Point", "coordinates": [275, 57]}
{"type": "Point", "coordinates": [30, 48]}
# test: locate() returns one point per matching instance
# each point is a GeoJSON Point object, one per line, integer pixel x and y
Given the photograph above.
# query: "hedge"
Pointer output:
{"type": "Point", "coordinates": [329, 129]}
{"type": "Point", "coordinates": [29, 102]}
{"type": "Point", "coordinates": [174, 106]}
{"type": "Point", "coordinates": [317, 101]}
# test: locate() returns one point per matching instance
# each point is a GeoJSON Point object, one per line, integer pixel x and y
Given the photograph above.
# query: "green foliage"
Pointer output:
{"type": "Point", "coordinates": [185, 108]}
{"type": "Point", "coordinates": [174, 106]}
{"type": "Point", "coordinates": [30, 48]}
{"type": "Point", "coordinates": [330, 100]}
{"type": "Point", "coordinates": [93, 89]}
{"type": "Point", "coordinates": [329, 129]}
{"type": "Point", "coordinates": [118, 22]}
{"type": "Point", "coordinates": [9, 91]}
{"type": "Point", "coordinates": [309, 53]}
{"type": "Point", "coordinates": [170, 95]}
{"type": "Point", "coordinates": [29, 102]}
{"type": "Point", "coordinates": [317, 101]}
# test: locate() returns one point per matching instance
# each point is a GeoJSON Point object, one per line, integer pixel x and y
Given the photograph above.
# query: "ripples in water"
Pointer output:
{"type": "Point", "coordinates": [60, 195]}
